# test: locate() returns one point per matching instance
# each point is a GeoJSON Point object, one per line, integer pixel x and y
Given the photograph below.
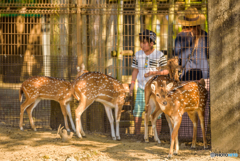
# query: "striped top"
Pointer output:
{"type": "Point", "coordinates": [146, 63]}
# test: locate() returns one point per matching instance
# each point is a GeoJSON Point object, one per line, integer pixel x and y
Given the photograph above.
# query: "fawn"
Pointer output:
{"type": "Point", "coordinates": [189, 97]}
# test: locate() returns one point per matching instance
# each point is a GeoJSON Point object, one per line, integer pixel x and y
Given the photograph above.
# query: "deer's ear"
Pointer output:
{"type": "Point", "coordinates": [82, 66]}
{"type": "Point", "coordinates": [153, 86]}
{"type": "Point", "coordinates": [78, 68]}
{"type": "Point", "coordinates": [169, 86]}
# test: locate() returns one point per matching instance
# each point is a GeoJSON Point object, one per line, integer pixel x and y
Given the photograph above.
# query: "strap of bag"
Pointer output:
{"type": "Point", "coordinates": [189, 56]}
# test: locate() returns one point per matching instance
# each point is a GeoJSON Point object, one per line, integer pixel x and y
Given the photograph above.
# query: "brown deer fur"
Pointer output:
{"type": "Point", "coordinates": [189, 97]}
{"type": "Point", "coordinates": [172, 67]}
{"type": "Point", "coordinates": [150, 104]}
{"type": "Point", "coordinates": [38, 88]}
{"type": "Point", "coordinates": [95, 86]}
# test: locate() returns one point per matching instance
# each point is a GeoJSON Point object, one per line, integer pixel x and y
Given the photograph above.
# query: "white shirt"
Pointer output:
{"type": "Point", "coordinates": [146, 63]}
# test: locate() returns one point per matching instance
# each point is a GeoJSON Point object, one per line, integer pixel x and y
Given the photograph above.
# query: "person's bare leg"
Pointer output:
{"type": "Point", "coordinates": [159, 125]}
{"type": "Point", "coordinates": [137, 121]}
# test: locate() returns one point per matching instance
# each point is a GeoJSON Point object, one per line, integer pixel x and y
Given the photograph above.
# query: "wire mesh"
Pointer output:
{"type": "Point", "coordinates": [49, 38]}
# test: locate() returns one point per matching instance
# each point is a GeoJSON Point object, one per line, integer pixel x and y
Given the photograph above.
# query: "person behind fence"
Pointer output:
{"type": "Point", "coordinates": [191, 46]}
{"type": "Point", "coordinates": [145, 62]}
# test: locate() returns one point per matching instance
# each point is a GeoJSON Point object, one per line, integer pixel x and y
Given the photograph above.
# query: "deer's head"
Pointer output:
{"type": "Point", "coordinates": [161, 92]}
{"type": "Point", "coordinates": [81, 70]}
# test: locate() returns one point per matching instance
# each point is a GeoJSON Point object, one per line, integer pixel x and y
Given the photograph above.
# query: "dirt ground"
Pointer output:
{"type": "Point", "coordinates": [46, 145]}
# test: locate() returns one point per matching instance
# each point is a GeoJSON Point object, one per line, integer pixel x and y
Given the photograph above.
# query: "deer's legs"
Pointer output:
{"type": "Point", "coordinates": [176, 126]}
{"type": "Point", "coordinates": [30, 110]}
{"type": "Point", "coordinates": [110, 118]}
{"type": "Point", "coordinates": [118, 110]}
{"type": "Point", "coordinates": [201, 115]}
{"type": "Point", "coordinates": [170, 126]}
{"type": "Point", "coordinates": [83, 105]}
{"type": "Point", "coordinates": [68, 110]}
{"type": "Point", "coordinates": [176, 145]}
{"type": "Point", "coordinates": [147, 114]}
{"type": "Point", "coordinates": [154, 117]}
{"type": "Point", "coordinates": [64, 112]}
{"type": "Point", "coordinates": [194, 119]}
{"type": "Point", "coordinates": [23, 107]}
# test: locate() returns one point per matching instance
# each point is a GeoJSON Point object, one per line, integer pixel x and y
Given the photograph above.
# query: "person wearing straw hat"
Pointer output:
{"type": "Point", "coordinates": [145, 63]}
{"type": "Point", "coordinates": [191, 46]}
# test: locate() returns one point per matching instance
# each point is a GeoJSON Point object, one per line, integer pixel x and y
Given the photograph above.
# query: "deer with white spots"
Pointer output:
{"type": "Point", "coordinates": [95, 86]}
{"type": "Point", "coordinates": [150, 101]}
{"type": "Point", "coordinates": [39, 88]}
{"type": "Point", "coordinates": [151, 104]}
{"type": "Point", "coordinates": [189, 97]}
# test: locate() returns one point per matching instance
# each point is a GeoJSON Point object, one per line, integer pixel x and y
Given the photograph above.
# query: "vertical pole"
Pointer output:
{"type": "Point", "coordinates": [154, 15]}
{"type": "Point", "coordinates": [156, 23]}
{"type": "Point", "coordinates": [120, 39]}
{"type": "Point", "coordinates": [187, 3]}
{"type": "Point", "coordinates": [62, 70]}
{"type": "Point", "coordinates": [204, 11]}
{"type": "Point", "coordinates": [137, 27]}
{"type": "Point", "coordinates": [170, 28]}
{"type": "Point", "coordinates": [103, 34]}
{"type": "Point", "coordinates": [148, 21]}
{"type": "Point", "coordinates": [93, 53]}
{"type": "Point", "coordinates": [46, 46]}
{"type": "Point", "coordinates": [83, 30]}
{"type": "Point", "coordinates": [64, 41]}
{"type": "Point", "coordinates": [79, 33]}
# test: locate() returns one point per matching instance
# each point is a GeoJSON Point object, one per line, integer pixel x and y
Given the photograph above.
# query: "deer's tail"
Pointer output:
{"type": "Point", "coordinates": [21, 94]}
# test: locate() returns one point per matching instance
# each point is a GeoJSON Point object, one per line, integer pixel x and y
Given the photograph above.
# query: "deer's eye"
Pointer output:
{"type": "Point", "coordinates": [158, 95]}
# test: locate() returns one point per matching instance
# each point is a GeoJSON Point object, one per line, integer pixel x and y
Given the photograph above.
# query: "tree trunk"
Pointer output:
{"type": "Point", "coordinates": [60, 53]}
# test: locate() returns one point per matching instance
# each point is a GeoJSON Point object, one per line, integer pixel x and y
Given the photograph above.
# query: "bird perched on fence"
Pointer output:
{"type": "Point", "coordinates": [63, 134]}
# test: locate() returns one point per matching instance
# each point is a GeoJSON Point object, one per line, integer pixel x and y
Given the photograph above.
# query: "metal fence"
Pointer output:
{"type": "Point", "coordinates": [51, 37]}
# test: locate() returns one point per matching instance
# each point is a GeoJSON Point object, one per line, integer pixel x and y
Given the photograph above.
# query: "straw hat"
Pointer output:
{"type": "Point", "coordinates": [191, 17]}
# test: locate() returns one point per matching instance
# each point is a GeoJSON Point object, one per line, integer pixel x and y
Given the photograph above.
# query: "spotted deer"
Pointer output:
{"type": "Point", "coordinates": [150, 101]}
{"type": "Point", "coordinates": [39, 88]}
{"type": "Point", "coordinates": [172, 67]}
{"type": "Point", "coordinates": [95, 86]}
{"type": "Point", "coordinates": [151, 104]}
{"type": "Point", "coordinates": [189, 97]}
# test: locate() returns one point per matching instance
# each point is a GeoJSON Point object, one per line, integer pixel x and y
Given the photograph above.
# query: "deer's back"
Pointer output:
{"type": "Point", "coordinates": [98, 85]}
{"type": "Point", "coordinates": [159, 79]}
{"type": "Point", "coordinates": [47, 88]}
{"type": "Point", "coordinates": [190, 95]}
